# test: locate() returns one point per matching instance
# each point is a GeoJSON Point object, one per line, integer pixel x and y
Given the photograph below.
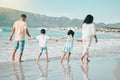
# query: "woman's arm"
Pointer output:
{"type": "Point", "coordinates": [95, 38]}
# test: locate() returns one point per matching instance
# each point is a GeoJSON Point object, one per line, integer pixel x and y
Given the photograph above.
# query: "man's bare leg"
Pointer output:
{"type": "Point", "coordinates": [20, 57]}
{"type": "Point", "coordinates": [13, 54]}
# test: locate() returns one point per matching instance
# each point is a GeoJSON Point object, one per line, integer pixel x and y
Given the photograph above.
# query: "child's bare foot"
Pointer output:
{"type": "Point", "coordinates": [68, 60]}
{"type": "Point", "coordinates": [21, 61]}
{"type": "Point", "coordinates": [61, 61]}
{"type": "Point", "coordinates": [48, 60]}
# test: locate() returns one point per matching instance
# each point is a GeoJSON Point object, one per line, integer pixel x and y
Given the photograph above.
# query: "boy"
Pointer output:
{"type": "Point", "coordinates": [42, 43]}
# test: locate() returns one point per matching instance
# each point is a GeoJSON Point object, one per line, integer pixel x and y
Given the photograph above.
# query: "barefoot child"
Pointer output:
{"type": "Point", "coordinates": [69, 44]}
{"type": "Point", "coordinates": [42, 43]}
{"type": "Point", "coordinates": [88, 30]}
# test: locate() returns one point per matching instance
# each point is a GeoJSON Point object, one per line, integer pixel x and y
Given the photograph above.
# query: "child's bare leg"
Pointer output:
{"type": "Point", "coordinates": [47, 58]}
{"type": "Point", "coordinates": [13, 54]}
{"type": "Point", "coordinates": [38, 58]}
{"type": "Point", "coordinates": [68, 57]}
{"type": "Point", "coordinates": [63, 56]}
{"type": "Point", "coordinates": [20, 56]}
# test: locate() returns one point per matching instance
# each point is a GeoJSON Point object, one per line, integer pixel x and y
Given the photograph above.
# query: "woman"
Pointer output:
{"type": "Point", "coordinates": [88, 30]}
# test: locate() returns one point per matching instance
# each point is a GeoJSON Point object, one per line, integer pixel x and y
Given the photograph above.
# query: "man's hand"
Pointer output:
{"type": "Point", "coordinates": [29, 38]}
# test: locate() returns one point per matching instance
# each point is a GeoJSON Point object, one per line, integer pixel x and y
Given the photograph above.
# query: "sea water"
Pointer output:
{"type": "Point", "coordinates": [108, 44]}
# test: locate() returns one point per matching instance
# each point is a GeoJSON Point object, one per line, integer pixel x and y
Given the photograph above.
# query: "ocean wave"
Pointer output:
{"type": "Point", "coordinates": [1, 30]}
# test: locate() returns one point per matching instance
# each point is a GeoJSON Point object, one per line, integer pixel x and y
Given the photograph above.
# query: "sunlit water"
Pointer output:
{"type": "Point", "coordinates": [107, 44]}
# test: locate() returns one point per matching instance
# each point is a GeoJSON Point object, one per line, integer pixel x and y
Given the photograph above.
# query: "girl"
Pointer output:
{"type": "Point", "coordinates": [69, 44]}
{"type": "Point", "coordinates": [88, 30]}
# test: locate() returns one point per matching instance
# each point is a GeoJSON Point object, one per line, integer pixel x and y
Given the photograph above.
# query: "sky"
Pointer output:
{"type": "Point", "coordinates": [104, 11]}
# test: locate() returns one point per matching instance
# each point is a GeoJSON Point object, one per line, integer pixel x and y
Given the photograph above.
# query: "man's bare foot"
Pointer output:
{"type": "Point", "coordinates": [13, 59]}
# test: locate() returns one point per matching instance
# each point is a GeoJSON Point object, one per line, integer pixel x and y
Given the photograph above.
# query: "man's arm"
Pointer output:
{"type": "Point", "coordinates": [27, 32]}
{"type": "Point", "coordinates": [31, 38]}
{"type": "Point", "coordinates": [12, 33]}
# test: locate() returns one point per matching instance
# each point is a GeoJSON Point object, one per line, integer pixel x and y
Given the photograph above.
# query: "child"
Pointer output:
{"type": "Point", "coordinates": [42, 42]}
{"type": "Point", "coordinates": [69, 44]}
{"type": "Point", "coordinates": [88, 30]}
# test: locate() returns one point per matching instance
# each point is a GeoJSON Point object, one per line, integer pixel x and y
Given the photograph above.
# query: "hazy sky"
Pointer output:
{"type": "Point", "coordinates": [107, 11]}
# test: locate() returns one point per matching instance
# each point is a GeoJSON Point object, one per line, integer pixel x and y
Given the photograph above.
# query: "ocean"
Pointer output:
{"type": "Point", "coordinates": [108, 45]}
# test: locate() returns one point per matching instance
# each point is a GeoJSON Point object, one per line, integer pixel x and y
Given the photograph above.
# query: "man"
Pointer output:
{"type": "Point", "coordinates": [19, 28]}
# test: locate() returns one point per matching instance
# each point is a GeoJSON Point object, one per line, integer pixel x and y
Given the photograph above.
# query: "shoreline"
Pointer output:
{"type": "Point", "coordinates": [66, 29]}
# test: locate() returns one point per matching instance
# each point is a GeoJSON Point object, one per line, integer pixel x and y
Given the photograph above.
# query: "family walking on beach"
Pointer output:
{"type": "Point", "coordinates": [20, 29]}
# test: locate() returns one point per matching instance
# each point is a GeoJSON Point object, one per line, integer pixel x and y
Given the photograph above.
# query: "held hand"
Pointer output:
{"type": "Point", "coordinates": [29, 38]}
{"type": "Point", "coordinates": [57, 40]}
{"type": "Point", "coordinates": [77, 40]}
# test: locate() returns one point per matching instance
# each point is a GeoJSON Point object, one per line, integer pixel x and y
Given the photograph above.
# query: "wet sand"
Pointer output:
{"type": "Point", "coordinates": [99, 68]}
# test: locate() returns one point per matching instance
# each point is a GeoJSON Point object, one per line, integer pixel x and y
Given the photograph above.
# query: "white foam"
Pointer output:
{"type": "Point", "coordinates": [55, 49]}
{"type": "Point", "coordinates": [1, 29]}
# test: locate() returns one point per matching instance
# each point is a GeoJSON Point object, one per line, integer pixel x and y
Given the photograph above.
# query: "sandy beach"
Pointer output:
{"type": "Point", "coordinates": [100, 68]}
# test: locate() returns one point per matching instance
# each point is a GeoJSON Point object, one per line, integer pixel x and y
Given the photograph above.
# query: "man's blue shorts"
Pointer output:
{"type": "Point", "coordinates": [20, 44]}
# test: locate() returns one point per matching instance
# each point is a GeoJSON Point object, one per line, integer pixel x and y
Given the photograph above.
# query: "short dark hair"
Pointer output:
{"type": "Point", "coordinates": [43, 31]}
{"type": "Point", "coordinates": [89, 19]}
{"type": "Point", "coordinates": [23, 15]}
{"type": "Point", "coordinates": [70, 32]}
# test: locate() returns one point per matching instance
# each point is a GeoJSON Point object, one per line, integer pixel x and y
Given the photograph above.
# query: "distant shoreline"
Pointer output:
{"type": "Point", "coordinates": [101, 30]}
